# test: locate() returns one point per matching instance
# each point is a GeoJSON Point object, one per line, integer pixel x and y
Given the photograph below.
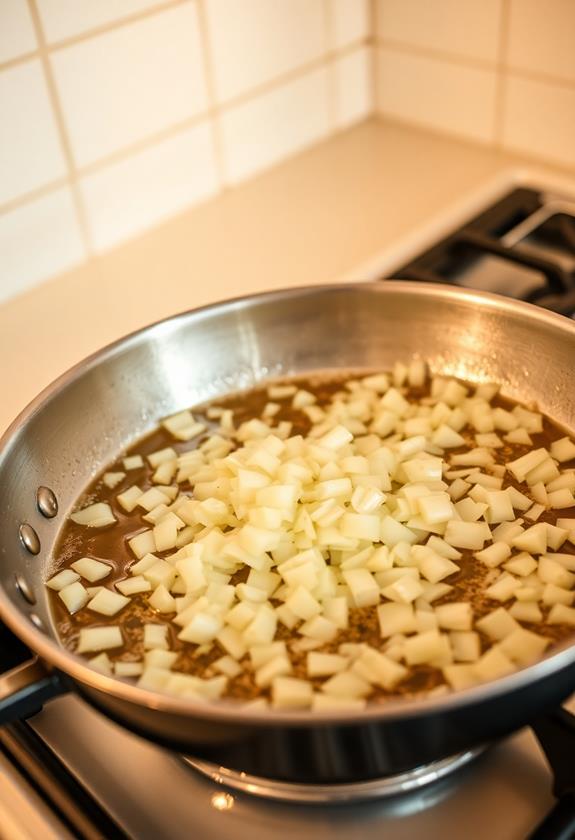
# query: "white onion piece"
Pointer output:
{"type": "Point", "coordinates": [133, 462]}
{"type": "Point", "coordinates": [553, 594]}
{"type": "Point", "coordinates": [471, 535]}
{"type": "Point", "coordinates": [161, 600]}
{"type": "Point", "coordinates": [97, 515]}
{"type": "Point", "coordinates": [455, 616]}
{"type": "Point", "coordinates": [423, 648]}
{"type": "Point", "coordinates": [493, 664]}
{"type": "Point", "coordinates": [112, 479]}
{"type": "Point", "coordinates": [561, 614]}
{"type": "Point", "coordinates": [504, 587]}
{"type": "Point", "coordinates": [526, 611]}
{"type": "Point", "coordinates": [91, 569]}
{"type": "Point", "coordinates": [102, 663]}
{"type": "Point", "coordinates": [232, 642]}
{"type": "Point", "coordinates": [347, 685]}
{"type": "Point", "coordinates": [550, 571]}
{"type": "Point", "coordinates": [494, 555]}
{"type": "Point", "coordinates": [534, 512]}
{"type": "Point", "coordinates": [436, 568]}
{"type": "Point", "coordinates": [376, 668]}
{"type": "Point", "coordinates": [524, 647]}
{"type": "Point", "coordinates": [158, 658]}
{"type": "Point", "coordinates": [155, 636]}
{"type": "Point", "coordinates": [460, 677]}
{"type": "Point", "coordinates": [279, 666]}
{"type": "Point", "coordinates": [523, 564]}
{"type": "Point", "coordinates": [555, 536]}
{"type": "Point", "coordinates": [497, 624]}
{"type": "Point", "coordinates": [99, 638]}
{"type": "Point", "coordinates": [533, 540]}
{"type": "Point", "coordinates": [465, 645]}
{"type": "Point", "coordinates": [526, 463]}
{"type": "Point", "coordinates": [325, 664]}
{"type": "Point", "coordinates": [128, 669]}
{"type": "Point", "coordinates": [74, 596]}
{"type": "Point", "coordinates": [133, 585]}
{"type": "Point", "coordinates": [291, 693]}
{"type": "Point", "coordinates": [107, 602]}
{"type": "Point", "coordinates": [143, 544]}
{"type": "Point", "coordinates": [62, 579]}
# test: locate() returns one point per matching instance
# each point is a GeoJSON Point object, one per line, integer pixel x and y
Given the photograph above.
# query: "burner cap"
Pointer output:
{"type": "Point", "coordinates": [406, 782]}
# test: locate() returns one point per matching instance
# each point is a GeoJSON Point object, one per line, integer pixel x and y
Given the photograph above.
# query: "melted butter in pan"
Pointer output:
{"type": "Point", "coordinates": [110, 545]}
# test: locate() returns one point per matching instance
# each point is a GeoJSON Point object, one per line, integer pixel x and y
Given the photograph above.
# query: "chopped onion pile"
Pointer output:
{"type": "Point", "coordinates": [372, 509]}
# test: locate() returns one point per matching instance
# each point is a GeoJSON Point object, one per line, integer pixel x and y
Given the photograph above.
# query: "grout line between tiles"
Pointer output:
{"type": "Point", "coordinates": [61, 128]}
{"type": "Point", "coordinates": [241, 99]}
{"type": "Point", "coordinates": [539, 76]}
{"type": "Point", "coordinates": [18, 60]}
{"type": "Point", "coordinates": [117, 23]}
{"type": "Point", "coordinates": [500, 90]}
{"type": "Point", "coordinates": [374, 64]}
{"type": "Point", "coordinates": [33, 195]}
{"type": "Point", "coordinates": [93, 32]}
{"type": "Point", "coordinates": [479, 63]}
{"type": "Point", "coordinates": [212, 113]}
{"type": "Point", "coordinates": [329, 41]}
{"type": "Point", "coordinates": [291, 75]}
{"type": "Point", "coordinates": [432, 52]}
{"type": "Point", "coordinates": [209, 73]}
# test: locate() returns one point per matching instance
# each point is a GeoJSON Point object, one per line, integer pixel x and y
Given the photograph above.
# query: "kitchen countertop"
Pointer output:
{"type": "Point", "coordinates": [332, 213]}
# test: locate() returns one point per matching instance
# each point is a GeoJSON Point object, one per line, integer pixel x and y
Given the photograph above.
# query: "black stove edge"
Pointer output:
{"type": "Point", "coordinates": [78, 811]}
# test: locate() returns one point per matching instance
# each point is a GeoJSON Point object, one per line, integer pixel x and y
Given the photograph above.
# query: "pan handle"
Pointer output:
{"type": "Point", "coordinates": [25, 688]}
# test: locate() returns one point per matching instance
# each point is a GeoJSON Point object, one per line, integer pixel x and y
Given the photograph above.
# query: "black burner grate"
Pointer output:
{"type": "Point", "coordinates": [484, 254]}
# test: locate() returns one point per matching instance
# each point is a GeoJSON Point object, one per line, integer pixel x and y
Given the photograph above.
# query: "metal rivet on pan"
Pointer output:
{"type": "Point", "coordinates": [29, 538]}
{"type": "Point", "coordinates": [47, 502]}
{"type": "Point", "coordinates": [36, 621]}
{"type": "Point", "coordinates": [25, 589]}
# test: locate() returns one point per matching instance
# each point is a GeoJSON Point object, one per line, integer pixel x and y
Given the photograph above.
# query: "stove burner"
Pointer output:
{"type": "Point", "coordinates": [402, 783]}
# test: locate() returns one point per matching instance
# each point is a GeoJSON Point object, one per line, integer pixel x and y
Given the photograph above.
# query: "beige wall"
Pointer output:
{"type": "Point", "coordinates": [117, 114]}
{"type": "Point", "coordinates": [500, 72]}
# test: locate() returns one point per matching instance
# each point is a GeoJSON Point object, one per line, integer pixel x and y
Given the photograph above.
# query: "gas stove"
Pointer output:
{"type": "Point", "coordinates": [69, 772]}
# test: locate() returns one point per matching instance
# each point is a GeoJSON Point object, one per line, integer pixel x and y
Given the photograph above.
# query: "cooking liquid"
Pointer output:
{"type": "Point", "coordinates": [109, 544]}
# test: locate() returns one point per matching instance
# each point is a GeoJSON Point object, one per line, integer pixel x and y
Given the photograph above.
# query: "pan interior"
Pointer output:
{"type": "Point", "coordinates": [89, 416]}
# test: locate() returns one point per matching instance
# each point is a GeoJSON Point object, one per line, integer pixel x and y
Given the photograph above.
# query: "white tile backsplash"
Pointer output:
{"type": "Point", "coordinates": [126, 198]}
{"type": "Point", "coordinates": [540, 120]}
{"type": "Point", "coordinates": [255, 41]}
{"type": "Point", "coordinates": [265, 130]}
{"type": "Point", "coordinates": [123, 86]}
{"type": "Point", "coordinates": [17, 35]}
{"type": "Point", "coordinates": [542, 37]}
{"type": "Point", "coordinates": [437, 94]}
{"type": "Point", "coordinates": [350, 21]}
{"type": "Point", "coordinates": [131, 81]}
{"type": "Point", "coordinates": [461, 27]}
{"type": "Point", "coordinates": [30, 153]}
{"type": "Point", "coordinates": [65, 18]}
{"type": "Point", "coordinates": [37, 241]}
{"type": "Point", "coordinates": [354, 99]}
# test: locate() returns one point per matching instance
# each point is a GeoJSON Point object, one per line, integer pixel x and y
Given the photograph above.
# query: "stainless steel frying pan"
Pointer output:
{"type": "Point", "coordinates": [90, 414]}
